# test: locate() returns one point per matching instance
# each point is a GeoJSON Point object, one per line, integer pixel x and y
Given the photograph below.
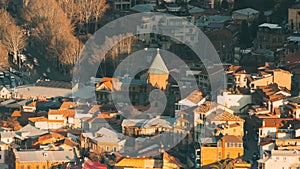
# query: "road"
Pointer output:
{"type": "Point", "coordinates": [250, 144]}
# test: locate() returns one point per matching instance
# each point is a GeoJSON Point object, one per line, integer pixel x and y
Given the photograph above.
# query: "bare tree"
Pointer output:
{"type": "Point", "coordinates": [4, 4]}
{"type": "Point", "coordinates": [54, 32]}
{"type": "Point", "coordinates": [14, 41]}
{"type": "Point", "coordinates": [3, 55]}
{"type": "Point", "coordinates": [84, 12]}
{"type": "Point", "coordinates": [5, 21]}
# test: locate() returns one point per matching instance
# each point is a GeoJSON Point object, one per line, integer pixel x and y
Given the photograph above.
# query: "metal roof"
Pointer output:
{"type": "Point", "coordinates": [45, 156]}
{"type": "Point", "coordinates": [158, 65]}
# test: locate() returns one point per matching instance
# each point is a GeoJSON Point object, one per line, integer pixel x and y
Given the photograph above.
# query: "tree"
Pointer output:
{"type": "Point", "coordinates": [224, 4]}
{"type": "Point", "coordinates": [3, 55]}
{"type": "Point", "coordinates": [244, 35]}
{"type": "Point", "coordinates": [222, 165]}
{"type": "Point", "coordinates": [13, 123]}
{"type": "Point", "coordinates": [53, 33]}
{"type": "Point", "coordinates": [14, 41]}
{"type": "Point", "coordinates": [84, 12]}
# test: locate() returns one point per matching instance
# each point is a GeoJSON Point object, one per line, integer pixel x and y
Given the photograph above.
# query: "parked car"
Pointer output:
{"type": "Point", "coordinates": [255, 156]}
{"type": "Point", "coordinates": [6, 73]}
{"type": "Point", "coordinates": [13, 84]}
{"type": "Point", "coordinates": [1, 75]}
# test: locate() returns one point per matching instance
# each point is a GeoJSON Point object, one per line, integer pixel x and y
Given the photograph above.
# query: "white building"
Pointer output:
{"type": "Point", "coordinates": [281, 159]}
{"type": "Point", "coordinates": [179, 27]}
{"type": "Point", "coordinates": [247, 14]}
{"type": "Point", "coordinates": [234, 101]}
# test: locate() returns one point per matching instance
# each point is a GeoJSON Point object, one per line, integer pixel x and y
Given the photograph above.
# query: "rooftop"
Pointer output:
{"type": "Point", "coordinates": [45, 156]}
{"type": "Point", "coordinates": [158, 65]}
{"type": "Point", "coordinates": [270, 26]}
{"type": "Point", "coordinates": [65, 113]}
{"type": "Point", "coordinates": [246, 11]}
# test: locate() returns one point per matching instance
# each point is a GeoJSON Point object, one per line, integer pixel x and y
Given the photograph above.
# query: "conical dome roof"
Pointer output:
{"type": "Point", "coordinates": [158, 65]}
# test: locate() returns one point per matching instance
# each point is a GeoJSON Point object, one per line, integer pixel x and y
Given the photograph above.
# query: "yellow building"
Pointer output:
{"type": "Point", "coordinates": [166, 162]}
{"type": "Point", "coordinates": [42, 159]}
{"type": "Point", "coordinates": [283, 78]}
{"type": "Point", "coordinates": [294, 17]}
{"type": "Point", "coordinates": [227, 123]}
{"type": "Point", "coordinates": [158, 73]}
{"type": "Point", "coordinates": [213, 150]}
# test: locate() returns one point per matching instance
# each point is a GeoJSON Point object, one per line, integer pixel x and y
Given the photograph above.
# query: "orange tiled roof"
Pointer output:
{"type": "Point", "coordinates": [275, 122]}
{"type": "Point", "coordinates": [234, 68]}
{"type": "Point", "coordinates": [48, 138]}
{"type": "Point", "coordinates": [56, 121]}
{"type": "Point", "coordinates": [16, 113]}
{"type": "Point", "coordinates": [65, 113]}
{"type": "Point", "coordinates": [205, 107]}
{"type": "Point", "coordinates": [37, 119]}
{"type": "Point", "coordinates": [172, 159]}
{"type": "Point", "coordinates": [69, 142]}
{"type": "Point", "coordinates": [195, 97]}
{"type": "Point", "coordinates": [32, 104]}
{"type": "Point", "coordinates": [104, 115]}
{"type": "Point", "coordinates": [232, 138]}
{"type": "Point", "coordinates": [133, 162]}
{"type": "Point", "coordinates": [67, 105]}
{"type": "Point", "coordinates": [222, 115]}
{"type": "Point", "coordinates": [94, 109]}
{"type": "Point", "coordinates": [104, 79]}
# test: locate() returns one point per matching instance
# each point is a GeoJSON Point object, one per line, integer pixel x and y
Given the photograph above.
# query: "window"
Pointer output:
{"type": "Point", "coordinates": [44, 167]}
{"type": "Point", "coordinates": [37, 167]}
{"type": "Point", "coordinates": [22, 166]}
{"type": "Point", "coordinates": [115, 148]}
{"type": "Point", "coordinates": [28, 167]}
{"type": "Point", "coordinates": [107, 148]}
{"type": "Point", "coordinates": [228, 154]}
{"type": "Point", "coordinates": [219, 155]}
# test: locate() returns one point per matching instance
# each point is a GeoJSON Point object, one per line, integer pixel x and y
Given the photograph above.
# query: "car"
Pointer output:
{"type": "Point", "coordinates": [13, 84]}
{"type": "Point", "coordinates": [13, 71]}
{"type": "Point", "coordinates": [6, 73]}
{"type": "Point", "coordinates": [1, 75]}
{"type": "Point", "coordinates": [12, 77]}
{"type": "Point", "coordinates": [255, 156]}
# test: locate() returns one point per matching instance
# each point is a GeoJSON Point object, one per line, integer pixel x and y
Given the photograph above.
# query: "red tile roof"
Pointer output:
{"type": "Point", "coordinates": [16, 113]}
{"type": "Point", "coordinates": [233, 139]}
{"type": "Point", "coordinates": [37, 119]}
{"type": "Point", "coordinates": [222, 115]}
{"type": "Point", "coordinates": [67, 105]}
{"type": "Point", "coordinates": [65, 113]}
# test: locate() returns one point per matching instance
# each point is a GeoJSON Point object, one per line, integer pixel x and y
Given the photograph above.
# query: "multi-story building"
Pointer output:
{"type": "Point", "coordinates": [294, 17]}
{"type": "Point", "coordinates": [214, 149]}
{"type": "Point", "coordinates": [3, 155]}
{"type": "Point", "coordinates": [42, 159]}
{"type": "Point", "coordinates": [179, 28]}
{"type": "Point", "coordinates": [279, 159]}
{"type": "Point", "coordinates": [271, 96]}
{"type": "Point", "coordinates": [281, 77]}
{"type": "Point", "coordinates": [247, 14]}
{"type": "Point", "coordinates": [121, 4]}
{"type": "Point", "coordinates": [270, 36]}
